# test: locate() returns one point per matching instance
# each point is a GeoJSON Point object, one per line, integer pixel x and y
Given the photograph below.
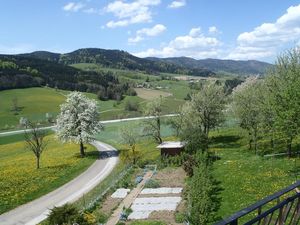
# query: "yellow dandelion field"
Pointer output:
{"type": "Point", "coordinates": [21, 182]}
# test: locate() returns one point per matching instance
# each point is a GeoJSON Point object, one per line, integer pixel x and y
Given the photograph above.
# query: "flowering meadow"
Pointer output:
{"type": "Point", "coordinates": [245, 177]}
{"type": "Point", "coordinates": [21, 182]}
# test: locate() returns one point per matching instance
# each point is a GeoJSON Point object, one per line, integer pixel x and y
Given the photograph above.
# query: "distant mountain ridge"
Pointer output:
{"type": "Point", "coordinates": [249, 67]}
{"type": "Point", "coordinates": [117, 59]}
{"type": "Point", "coordinates": [180, 65]}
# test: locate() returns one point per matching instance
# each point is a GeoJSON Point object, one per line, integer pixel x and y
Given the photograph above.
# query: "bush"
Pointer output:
{"type": "Point", "coordinates": [151, 183]}
{"type": "Point", "coordinates": [101, 217]}
{"type": "Point", "coordinates": [89, 218]}
{"type": "Point", "coordinates": [126, 181]}
{"type": "Point", "coordinates": [131, 92]}
{"type": "Point", "coordinates": [68, 214]}
{"type": "Point", "coordinates": [201, 199]}
{"type": "Point", "coordinates": [175, 161]}
{"type": "Point", "coordinates": [189, 165]}
{"type": "Point", "coordinates": [147, 222]}
{"type": "Point", "coordinates": [131, 105]}
{"type": "Point", "coordinates": [121, 223]}
{"type": "Point", "coordinates": [180, 217]}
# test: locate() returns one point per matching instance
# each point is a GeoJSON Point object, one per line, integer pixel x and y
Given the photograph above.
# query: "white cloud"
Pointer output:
{"type": "Point", "coordinates": [91, 11]}
{"type": "Point", "coordinates": [266, 39]}
{"type": "Point", "coordinates": [135, 39]}
{"type": "Point", "coordinates": [177, 4]}
{"type": "Point", "coordinates": [137, 11]}
{"type": "Point", "coordinates": [213, 30]}
{"type": "Point", "coordinates": [154, 31]}
{"type": "Point", "coordinates": [73, 7]}
{"type": "Point", "coordinates": [194, 32]}
{"type": "Point", "coordinates": [147, 32]}
{"type": "Point", "coordinates": [195, 44]}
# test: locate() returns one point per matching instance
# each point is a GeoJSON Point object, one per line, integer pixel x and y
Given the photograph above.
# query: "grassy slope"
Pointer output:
{"type": "Point", "coordinates": [36, 102]}
{"type": "Point", "coordinates": [179, 89]}
{"type": "Point", "coordinates": [111, 133]}
{"type": "Point", "coordinates": [243, 176]}
{"type": "Point", "coordinates": [21, 182]}
{"type": "Point", "coordinates": [246, 178]}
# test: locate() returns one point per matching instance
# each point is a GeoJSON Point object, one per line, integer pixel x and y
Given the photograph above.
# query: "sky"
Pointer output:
{"type": "Point", "coordinates": [224, 29]}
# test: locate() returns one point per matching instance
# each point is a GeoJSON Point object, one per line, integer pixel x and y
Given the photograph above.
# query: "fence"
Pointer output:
{"type": "Point", "coordinates": [91, 199]}
{"type": "Point", "coordinates": [280, 208]}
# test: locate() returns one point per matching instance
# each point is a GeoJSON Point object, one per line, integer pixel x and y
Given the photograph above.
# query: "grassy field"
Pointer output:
{"type": "Point", "coordinates": [34, 103]}
{"type": "Point", "coordinates": [123, 75]}
{"type": "Point", "coordinates": [21, 182]}
{"type": "Point", "coordinates": [150, 94]}
{"type": "Point", "coordinates": [245, 177]}
{"type": "Point", "coordinates": [111, 132]}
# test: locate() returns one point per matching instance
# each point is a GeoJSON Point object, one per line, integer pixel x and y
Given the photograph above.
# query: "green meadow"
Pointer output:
{"type": "Point", "coordinates": [21, 182]}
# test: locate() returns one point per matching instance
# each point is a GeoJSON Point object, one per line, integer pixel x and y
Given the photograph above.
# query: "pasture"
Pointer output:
{"type": "Point", "coordinates": [150, 94]}
{"type": "Point", "coordinates": [243, 177]}
{"type": "Point", "coordinates": [21, 182]}
{"type": "Point", "coordinates": [34, 103]}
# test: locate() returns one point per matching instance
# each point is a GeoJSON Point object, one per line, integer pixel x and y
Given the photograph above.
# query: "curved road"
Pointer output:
{"type": "Point", "coordinates": [103, 122]}
{"type": "Point", "coordinates": [34, 212]}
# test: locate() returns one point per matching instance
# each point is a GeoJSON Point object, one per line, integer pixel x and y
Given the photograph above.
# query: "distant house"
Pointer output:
{"type": "Point", "coordinates": [171, 148]}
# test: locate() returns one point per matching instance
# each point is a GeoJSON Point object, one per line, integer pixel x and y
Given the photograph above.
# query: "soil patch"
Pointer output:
{"type": "Point", "coordinates": [170, 177]}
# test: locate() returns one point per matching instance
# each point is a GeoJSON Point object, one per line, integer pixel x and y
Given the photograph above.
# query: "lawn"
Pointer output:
{"type": "Point", "coordinates": [21, 182]}
{"type": "Point", "coordinates": [245, 177]}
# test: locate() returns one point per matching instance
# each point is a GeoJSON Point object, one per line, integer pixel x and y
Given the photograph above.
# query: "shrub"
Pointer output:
{"type": "Point", "coordinates": [67, 214]}
{"type": "Point", "coordinates": [121, 223]}
{"type": "Point", "coordinates": [189, 165]}
{"type": "Point", "coordinates": [151, 183]}
{"type": "Point", "coordinates": [131, 105]}
{"type": "Point", "coordinates": [180, 217]}
{"type": "Point", "coordinates": [131, 92]}
{"type": "Point", "coordinates": [201, 199]}
{"type": "Point", "coordinates": [101, 217]}
{"type": "Point", "coordinates": [89, 218]}
{"type": "Point", "coordinates": [126, 181]}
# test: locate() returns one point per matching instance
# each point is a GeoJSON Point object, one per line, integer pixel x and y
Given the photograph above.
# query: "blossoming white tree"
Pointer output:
{"type": "Point", "coordinates": [78, 120]}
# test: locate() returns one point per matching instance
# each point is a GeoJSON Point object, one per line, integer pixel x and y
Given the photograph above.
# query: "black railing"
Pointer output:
{"type": "Point", "coordinates": [280, 208]}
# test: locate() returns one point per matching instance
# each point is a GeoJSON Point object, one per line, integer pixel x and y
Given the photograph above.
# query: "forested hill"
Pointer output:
{"type": "Point", "coordinates": [22, 71]}
{"type": "Point", "coordinates": [119, 60]}
{"type": "Point", "coordinates": [250, 67]}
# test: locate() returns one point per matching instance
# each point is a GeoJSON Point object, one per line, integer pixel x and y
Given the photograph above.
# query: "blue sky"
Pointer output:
{"type": "Point", "coordinates": [233, 29]}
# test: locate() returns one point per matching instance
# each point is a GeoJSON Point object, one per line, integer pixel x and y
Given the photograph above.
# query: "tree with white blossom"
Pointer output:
{"type": "Point", "coordinates": [247, 98]}
{"type": "Point", "coordinates": [78, 120]}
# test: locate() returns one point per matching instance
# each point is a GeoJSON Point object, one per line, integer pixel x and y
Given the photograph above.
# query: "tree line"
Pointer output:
{"type": "Point", "coordinates": [269, 108]}
{"type": "Point", "coordinates": [23, 72]}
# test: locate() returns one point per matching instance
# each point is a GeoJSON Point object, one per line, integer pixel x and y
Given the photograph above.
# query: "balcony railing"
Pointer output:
{"type": "Point", "coordinates": [280, 208]}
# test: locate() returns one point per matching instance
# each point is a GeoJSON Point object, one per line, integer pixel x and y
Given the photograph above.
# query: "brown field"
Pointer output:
{"type": "Point", "coordinates": [188, 78]}
{"type": "Point", "coordinates": [150, 94]}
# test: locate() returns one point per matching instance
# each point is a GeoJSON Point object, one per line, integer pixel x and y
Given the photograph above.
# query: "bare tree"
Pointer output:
{"type": "Point", "coordinates": [152, 127]}
{"type": "Point", "coordinates": [14, 105]}
{"type": "Point", "coordinates": [35, 141]}
{"type": "Point", "coordinates": [130, 135]}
